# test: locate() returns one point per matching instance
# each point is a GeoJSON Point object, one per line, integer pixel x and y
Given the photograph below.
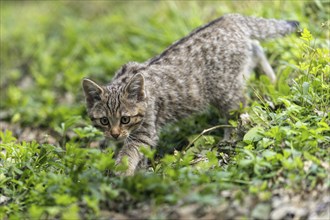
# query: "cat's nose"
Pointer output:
{"type": "Point", "coordinates": [115, 135]}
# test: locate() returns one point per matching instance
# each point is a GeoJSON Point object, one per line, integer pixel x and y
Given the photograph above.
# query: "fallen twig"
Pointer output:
{"type": "Point", "coordinates": [204, 132]}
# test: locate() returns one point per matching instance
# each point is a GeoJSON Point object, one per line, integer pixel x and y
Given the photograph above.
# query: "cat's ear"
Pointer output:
{"type": "Point", "coordinates": [92, 92]}
{"type": "Point", "coordinates": [135, 88]}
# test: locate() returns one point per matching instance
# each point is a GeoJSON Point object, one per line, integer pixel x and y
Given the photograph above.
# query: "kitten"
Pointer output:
{"type": "Point", "coordinates": [207, 67]}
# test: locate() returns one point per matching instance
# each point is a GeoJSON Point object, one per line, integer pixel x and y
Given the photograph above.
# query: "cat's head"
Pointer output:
{"type": "Point", "coordinates": [116, 110]}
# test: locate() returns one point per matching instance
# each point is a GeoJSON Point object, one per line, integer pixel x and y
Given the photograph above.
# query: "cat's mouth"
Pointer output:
{"type": "Point", "coordinates": [120, 138]}
{"type": "Point", "coordinates": [117, 137]}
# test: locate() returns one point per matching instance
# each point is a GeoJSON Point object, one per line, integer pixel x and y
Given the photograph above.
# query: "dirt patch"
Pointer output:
{"type": "Point", "coordinates": [283, 204]}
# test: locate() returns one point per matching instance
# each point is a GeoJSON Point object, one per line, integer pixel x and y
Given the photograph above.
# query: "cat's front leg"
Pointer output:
{"type": "Point", "coordinates": [134, 156]}
{"type": "Point", "coordinates": [145, 136]}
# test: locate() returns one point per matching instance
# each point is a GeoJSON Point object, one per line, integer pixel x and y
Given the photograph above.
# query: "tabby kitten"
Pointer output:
{"type": "Point", "coordinates": [207, 67]}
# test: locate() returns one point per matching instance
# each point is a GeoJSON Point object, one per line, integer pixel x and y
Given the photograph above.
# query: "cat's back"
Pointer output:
{"type": "Point", "coordinates": [229, 33]}
{"type": "Point", "coordinates": [203, 42]}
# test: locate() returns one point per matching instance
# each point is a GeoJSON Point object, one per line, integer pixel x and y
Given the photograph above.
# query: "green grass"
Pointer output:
{"type": "Point", "coordinates": [48, 47]}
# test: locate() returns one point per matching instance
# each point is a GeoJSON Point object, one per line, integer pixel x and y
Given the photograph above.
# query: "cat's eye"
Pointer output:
{"type": "Point", "coordinates": [125, 120]}
{"type": "Point", "coordinates": [104, 121]}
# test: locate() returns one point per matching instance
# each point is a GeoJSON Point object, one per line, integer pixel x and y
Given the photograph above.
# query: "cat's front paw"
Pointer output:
{"type": "Point", "coordinates": [123, 168]}
{"type": "Point", "coordinates": [128, 172]}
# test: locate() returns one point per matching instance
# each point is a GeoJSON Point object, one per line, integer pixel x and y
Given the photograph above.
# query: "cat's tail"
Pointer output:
{"type": "Point", "coordinates": [261, 28]}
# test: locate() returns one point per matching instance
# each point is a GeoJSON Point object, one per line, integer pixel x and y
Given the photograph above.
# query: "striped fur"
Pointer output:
{"type": "Point", "coordinates": [208, 67]}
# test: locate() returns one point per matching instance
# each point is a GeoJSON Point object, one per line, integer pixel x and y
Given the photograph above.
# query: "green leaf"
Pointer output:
{"type": "Point", "coordinates": [245, 162]}
{"type": "Point", "coordinates": [312, 158]}
{"type": "Point", "coordinates": [254, 134]}
{"type": "Point", "coordinates": [123, 165]}
{"type": "Point", "coordinates": [72, 212]}
{"type": "Point", "coordinates": [147, 152]}
{"type": "Point", "coordinates": [7, 137]}
{"type": "Point", "coordinates": [35, 211]}
{"type": "Point", "coordinates": [306, 35]}
{"type": "Point", "coordinates": [305, 87]}
{"type": "Point", "coordinates": [269, 155]}
{"type": "Point", "coordinates": [64, 199]}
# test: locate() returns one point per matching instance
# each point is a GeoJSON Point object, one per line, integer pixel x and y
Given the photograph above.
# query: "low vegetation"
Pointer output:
{"type": "Point", "coordinates": [55, 165]}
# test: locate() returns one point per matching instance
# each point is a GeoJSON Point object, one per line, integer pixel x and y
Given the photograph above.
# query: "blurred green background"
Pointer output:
{"type": "Point", "coordinates": [47, 47]}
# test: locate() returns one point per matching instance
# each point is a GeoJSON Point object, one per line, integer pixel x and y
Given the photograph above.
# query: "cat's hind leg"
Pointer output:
{"type": "Point", "coordinates": [261, 60]}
